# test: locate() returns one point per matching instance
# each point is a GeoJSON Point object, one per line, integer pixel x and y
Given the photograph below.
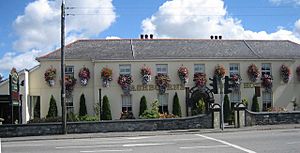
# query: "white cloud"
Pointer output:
{"type": "Point", "coordinates": [112, 37]}
{"type": "Point", "coordinates": [39, 28]}
{"type": "Point", "coordinates": [201, 19]}
{"type": "Point", "coordinates": [297, 27]}
{"type": "Point", "coordinates": [278, 2]}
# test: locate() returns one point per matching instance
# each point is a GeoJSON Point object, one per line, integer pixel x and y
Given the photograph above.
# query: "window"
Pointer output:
{"type": "Point", "coordinates": [162, 68]}
{"type": "Point", "coordinates": [234, 69]}
{"type": "Point", "coordinates": [69, 104]}
{"type": "Point", "coordinates": [125, 69]}
{"type": "Point", "coordinates": [199, 68]}
{"type": "Point", "coordinates": [163, 103]}
{"type": "Point", "coordinates": [235, 97]}
{"type": "Point", "coordinates": [35, 107]}
{"type": "Point", "coordinates": [69, 70]}
{"type": "Point", "coordinates": [126, 103]}
{"type": "Point", "coordinates": [266, 69]}
{"type": "Point", "coordinates": [267, 100]}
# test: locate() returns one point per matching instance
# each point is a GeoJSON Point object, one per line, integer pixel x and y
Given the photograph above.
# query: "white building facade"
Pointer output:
{"type": "Point", "coordinates": [162, 56]}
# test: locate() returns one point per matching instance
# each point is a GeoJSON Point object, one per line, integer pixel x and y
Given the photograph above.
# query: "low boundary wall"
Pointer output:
{"type": "Point", "coordinates": [272, 118]}
{"type": "Point", "coordinates": [194, 122]}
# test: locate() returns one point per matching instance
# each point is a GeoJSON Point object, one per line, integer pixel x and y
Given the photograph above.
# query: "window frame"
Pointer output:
{"type": "Point", "coordinates": [160, 67]}
{"type": "Point", "coordinates": [163, 106]}
{"type": "Point", "coordinates": [201, 68]}
{"type": "Point", "coordinates": [265, 69]}
{"type": "Point", "coordinates": [126, 106]}
{"type": "Point", "coordinates": [267, 100]}
{"type": "Point", "coordinates": [125, 69]}
{"type": "Point", "coordinates": [232, 69]}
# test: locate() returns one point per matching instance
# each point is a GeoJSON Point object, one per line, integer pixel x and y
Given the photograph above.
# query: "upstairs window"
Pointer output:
{"type": "Point", "coordinates": [199, 68]}
{"type": "Point", "coordinates": [162, 68]}
{"type": "Point", "coordinates": [234, 69]}
{"type": "Point", "coordinates": [69, 71]}
{"type": "Point", "coordinates": [125, 69]}
{"type": "Point", "coordinates": [266, 69]}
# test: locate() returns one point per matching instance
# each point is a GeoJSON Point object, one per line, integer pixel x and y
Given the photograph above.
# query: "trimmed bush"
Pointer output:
{"type": "Point", "coordinates": [151, 113]}
{"type": "Point", "coordinates": [82, 107]}
{"type": "Point", "coordinates": [52, 112]}
{"type": "Point", "coordinates": [176, 106]}
{"type": "Point", "coordinates": [143, 105]}
{"type": "Point", "coordinates": [226, 107]}
{"type": "Point", "coordinates": [255, 105]}
{"type": "Point", "coordinates": [106, 109]}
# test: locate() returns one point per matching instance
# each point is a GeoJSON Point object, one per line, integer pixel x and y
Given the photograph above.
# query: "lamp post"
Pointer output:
{"type": "Point", "coordinates": [63, 95]}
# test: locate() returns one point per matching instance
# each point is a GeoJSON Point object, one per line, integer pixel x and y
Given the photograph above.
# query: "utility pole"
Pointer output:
{"type": "Point", "coordinates": [222, 104]}
{"type": "Point", "coordinates": [63, 95]}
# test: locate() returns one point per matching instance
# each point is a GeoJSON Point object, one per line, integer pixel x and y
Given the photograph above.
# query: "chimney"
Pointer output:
{"type": "Point", "coordinates": [151, 36]}
{"type": "Point", "coordinates": [142, 36]}
{"type": "Point", "coordinates": [146, 36]}
{"type": "Point", "coordinates": [211, 37]}
{"type": "Point", "coordinates": [216, 37]}
{"type": "Point", "coordinates": [220, 37]}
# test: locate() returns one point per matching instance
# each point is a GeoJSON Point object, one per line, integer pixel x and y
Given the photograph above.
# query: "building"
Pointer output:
{"type": "Point", "coordinates": [163, 56]}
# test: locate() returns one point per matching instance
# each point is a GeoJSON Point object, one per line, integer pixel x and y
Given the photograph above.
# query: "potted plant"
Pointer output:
{"type": "Point", "coordinates": [220, 71]}
{"type": "Point", "coordinates": [84, 76]}
{"type": "Point", "coordinates": [253, 72]}
{"type": "Point", "coordinates": [50, 76]}
{"type": "Point", "coordinates": [70, 82]}
{"type": "Point", "coordinates": [200, 79]}
{"type": "Point", "coordinates": [162, 81]}
{"type": "Point", "coordinates": [146, 75]}
{"type": "Point", "coordinates": [125, 81]}
{"type": "Point", "coordinates": [285, 73]}
{"type": "Point", "coordinates": [106, 75]}
{"type": "Point", "coordinates": [183, 74]}
{"type": "Point", "coordinates": [236, 81]}
{"type": "Point", "coordinates": [267, 82]}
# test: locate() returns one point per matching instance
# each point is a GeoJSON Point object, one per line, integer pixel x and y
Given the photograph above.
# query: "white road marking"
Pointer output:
{"type": "Point", "coordinates": [125, 150]}
{"type": "Point", "coordinates": [291, 143]}
{"type": "Point", "coordinates": [87, 146]}
{"type": "Point", "coordinates": [136, 138]}
{"type": "Point", "coordinates": [205, 147]}
{"type": "Point", "coordinates": [22, 145]}
{"type": "Point", "coordinates": [227, 143]}
{"type": "Point", "coordinates": [145, 144]}
{"type": "Point", "coordinates": [0, 146]}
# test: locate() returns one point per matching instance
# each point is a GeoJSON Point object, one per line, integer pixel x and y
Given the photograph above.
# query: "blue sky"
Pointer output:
{"type": "Point", "coordinates": [30, 28]}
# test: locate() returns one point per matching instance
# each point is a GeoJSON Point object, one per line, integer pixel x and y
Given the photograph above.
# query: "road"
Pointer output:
{"type": "Point", "coordinates": [268, 141]}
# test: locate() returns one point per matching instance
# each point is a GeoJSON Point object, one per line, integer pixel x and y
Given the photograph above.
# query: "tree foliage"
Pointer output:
{"type": "Point", "coordinates": [52, 112]}
{"type": "Point", "coordinates": [176, 106]}
{"type": "Point", "coordinates": [226, 108]}
{"type": "Point", "coordinates": [143, 105]}
{"type": "Point", "coordinates": [255, 105]}
{"type": "Point", "coordinates": [82, 106]}
{"type": "Point", "coordinates": [106, 109]}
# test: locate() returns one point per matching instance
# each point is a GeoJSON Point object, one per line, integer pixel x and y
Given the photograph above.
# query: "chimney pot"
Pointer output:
{"type": "Point", "coordinates": [151, 36]}
{"type": "Point", "coordinates": [216, 37]}
{"type": "Point", "coordinates": [142, 36]}
{"type": "Point", "coordinates": [220, 37]}
{"type": "Point", "coordinates": [146, 36]}
{"type": "Point", "coordinates": [211, 37]}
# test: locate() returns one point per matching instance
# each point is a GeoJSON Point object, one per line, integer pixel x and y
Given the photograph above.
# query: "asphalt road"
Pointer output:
{"type": "Point", "coordinates": [268, 141]}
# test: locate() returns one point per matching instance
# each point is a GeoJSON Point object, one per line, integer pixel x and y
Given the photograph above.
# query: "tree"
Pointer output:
{"type": "Point", "coordinates": [82, 107]}
{"type": "Point", "coordinates": [255, 105]}
{"type": "Point", "coordinates": [226, 108]}
{"type": "Point", "coordinates": [52, 112]}
{"type": "Point", "coordinates": [151, 113]}
{"type": "Point", "coordinates": [143, 105]}
{"type": "Point", "coordinates": [176, 106]}
{"type": "Point", "coordinates": [106, 109]}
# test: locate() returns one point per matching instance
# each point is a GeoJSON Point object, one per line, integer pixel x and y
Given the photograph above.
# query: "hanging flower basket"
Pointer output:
{"type": "Point", "coordinates": [146, 75]}
{"type": "Point", "coordinates": [285, 73]}
{"type": "Point", "coordinates": [298, 72]}
{"type": "Point", "coordinates": [236, 81]}
{"type": "Point", "coordinates": [200, 79]}
{"type": "Point", "coordinates": [70, 82]}
{"type": "Point", "coordinates": [267, 82]}
{"type": "Point", "coordinates": [106, 75]}
{"type": "Point", "coordinates": [253, 72]}
{"type": "Point", "coordinates": [220, 71]}
{"type": "Point", "coordinates": [84, 76]}
{"type": "Point", "coordinates": [183, 74]}
{"type": "Point", "coordinates": [50, 76]}
{"type": "Point", "coordinates": [125, 81]}
{"type": "Point", "coordinates": [162, 81]}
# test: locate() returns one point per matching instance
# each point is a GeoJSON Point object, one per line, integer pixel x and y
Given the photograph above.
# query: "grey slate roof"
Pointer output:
{"type": "Point", "coordinates": [139, 49]}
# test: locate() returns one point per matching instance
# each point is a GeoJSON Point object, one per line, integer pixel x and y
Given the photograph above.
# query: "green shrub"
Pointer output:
{"type": "Point", "coordinates": [52, 112]}
{"type": "Point", "coordinates": [106, 109]}
{"type": "Point", "coordinates": [82, 106]}
{"type": "Point", "coordinates": [127, 115]}
{"type": "Point", "coordinates": [199, 107]}
{"type": "Point", "coordinates": [226, 108]}
{"type": "Point", "coordinates": [143, 105]}
{"type": "Point", "coordinates": [45, 120]}
{"type": "Point", "coordinates": [151, 113]}
{"type": "Point", "coordinates": [255, 105]}
{"type": "Point", "coordinates": [176, 106]}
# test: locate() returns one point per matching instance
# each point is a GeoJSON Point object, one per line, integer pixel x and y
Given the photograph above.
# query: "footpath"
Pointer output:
{"type": "Point", "coordinates": [149, 133]}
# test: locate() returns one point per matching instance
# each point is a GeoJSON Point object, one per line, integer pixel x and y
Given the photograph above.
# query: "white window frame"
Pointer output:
{"type": "Point", "coordinates": [234, 68]}
{"type": "Point", "coordinates": [126, 103]}
{"type": "Point", "coordinates": [125, 69]}
{"type": "Point", "coordinates": [69, 70]}
{"type": "Point", "coordinates": [70, 104]}
{"type": "Point", "coordinates": [163, 100]}
{"type": "Point", "coordinates": [162, 68]}
{"type": "Point", "coordinates": [199, 68]}
{"type": "Point", "coordinates": [267, 98]}
{"type": "Point", "coordinates": [266, 68]}
{"type": "Point", "coordinates": [33, 101]}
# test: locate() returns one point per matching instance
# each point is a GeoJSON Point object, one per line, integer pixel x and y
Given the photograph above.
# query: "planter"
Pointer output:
{"type": "Point", "coordinates": [146, 79]}
{"type": "Point", "coordinates": [83, 81]}
{"type": "Point", "coordinates": [106, 82]}
{"type": "Point", "coordinates": [51, 83]}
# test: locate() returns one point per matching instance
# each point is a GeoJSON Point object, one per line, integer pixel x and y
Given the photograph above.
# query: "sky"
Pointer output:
{"type": "Point", "coordinates": [31, 28]}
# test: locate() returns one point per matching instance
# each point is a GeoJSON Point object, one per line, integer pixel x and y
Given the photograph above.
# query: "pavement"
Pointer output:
{"type": "Point", "coordinates": [150, 133]}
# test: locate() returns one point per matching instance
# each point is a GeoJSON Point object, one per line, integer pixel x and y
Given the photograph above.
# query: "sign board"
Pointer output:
{"type": "Point", "coordinates": [248, 85]}
{"type": "Point", "coordinates": [14, 86]}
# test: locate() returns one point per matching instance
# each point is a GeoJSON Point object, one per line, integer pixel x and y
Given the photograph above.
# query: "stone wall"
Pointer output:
{"type": "Point", "coordinates": [272, 118]}
{"type": "Point", "coordinates": [195, 122]}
